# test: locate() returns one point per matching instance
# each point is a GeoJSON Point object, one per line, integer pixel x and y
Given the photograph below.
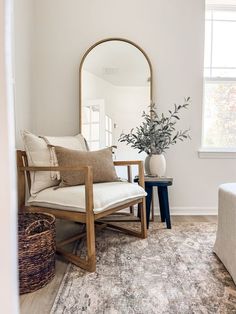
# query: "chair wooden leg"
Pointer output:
{"type": "Point", "coordinates": [88, 263]}
{"type": "Point", "coordinates": [142, 209]}
{"type": "Point", "coordinates": [74, 259]}
{"type": "Point", "coordinates": [90, 230]}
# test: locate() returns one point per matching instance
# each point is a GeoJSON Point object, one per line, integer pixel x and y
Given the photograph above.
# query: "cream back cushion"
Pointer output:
{"type": "Point", "coordinates": [39, 154]}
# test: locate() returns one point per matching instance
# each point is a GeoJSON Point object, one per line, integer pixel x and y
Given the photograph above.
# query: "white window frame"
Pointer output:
{"type": "Point", "coordinates": [207, 152]}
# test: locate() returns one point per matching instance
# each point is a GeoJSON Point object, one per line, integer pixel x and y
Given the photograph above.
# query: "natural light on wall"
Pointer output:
{"type": "Point", "coordinates": [219, 114]}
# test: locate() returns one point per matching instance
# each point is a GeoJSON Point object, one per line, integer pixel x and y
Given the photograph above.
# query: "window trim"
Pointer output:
{"type": "Point", "coordinates": [219, 79]}
{"type": "Point", "coordinates": [216, 153]}
{"type": "Point", "coordinates": [219, 152]}
{"type": "Point", "coordinates": [220, 7]}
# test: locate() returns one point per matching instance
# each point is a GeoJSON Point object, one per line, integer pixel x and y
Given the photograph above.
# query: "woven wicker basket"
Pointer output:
{"type": "Point", "coordinates": [37, 248]}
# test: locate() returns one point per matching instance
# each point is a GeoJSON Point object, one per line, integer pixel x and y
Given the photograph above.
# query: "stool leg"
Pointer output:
{"type": "Point", "coordinates": [153, 209]}
{"type": "Point", "coordinates": [161, 203]}
{"type": "Point", "coordinates": [148, 204]}
{"type": "Point", "coordinates": [166, 206]}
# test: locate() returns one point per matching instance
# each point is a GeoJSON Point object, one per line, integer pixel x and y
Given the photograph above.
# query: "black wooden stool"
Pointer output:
{"type": "Point", "coordinates": [162, 189]}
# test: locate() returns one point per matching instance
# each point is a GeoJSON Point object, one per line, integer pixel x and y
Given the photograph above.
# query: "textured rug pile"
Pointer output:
{"type": "Point", "coordinates": [172, 271]}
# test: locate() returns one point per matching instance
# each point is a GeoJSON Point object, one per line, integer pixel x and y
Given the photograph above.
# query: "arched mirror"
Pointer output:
{"type": "Point", "coordinates": [115, 88]}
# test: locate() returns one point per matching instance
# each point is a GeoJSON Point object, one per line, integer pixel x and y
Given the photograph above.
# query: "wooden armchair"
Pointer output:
{"type": "Point", "coordinates": [89, 216]}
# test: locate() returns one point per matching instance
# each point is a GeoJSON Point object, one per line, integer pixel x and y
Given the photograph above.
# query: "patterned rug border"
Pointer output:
{"type": "Point", "coordinates": [161, 227]}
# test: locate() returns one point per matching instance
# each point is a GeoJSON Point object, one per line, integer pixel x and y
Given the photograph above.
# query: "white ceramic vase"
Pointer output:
{"type": "Point", "coordinates": [157, 165]}
{"type": "Point", "coordinates": [147, 165]}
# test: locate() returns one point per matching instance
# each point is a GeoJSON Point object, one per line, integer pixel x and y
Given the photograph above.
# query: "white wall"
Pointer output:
{"type": "Point", "coordinates": [95, 87]}
{"type": "Point", "coordinates": [8, 207]}
{"type": "Point", "coordinates": [120, 101]}
{"type": "Point", "coordinates": [130, 101]}
{"type": "Point", "coordinates": [129, 104]}
{"type": "Point", "coordinates": [172, 34]}
{"type": "Point", "coordinates": [23, 27]}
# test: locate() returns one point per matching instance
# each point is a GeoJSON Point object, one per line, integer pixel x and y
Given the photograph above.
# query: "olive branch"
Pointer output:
{"type": "Point", "coordinates": [157, 132]}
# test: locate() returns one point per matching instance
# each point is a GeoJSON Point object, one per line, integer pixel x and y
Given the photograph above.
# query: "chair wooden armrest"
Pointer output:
{"type": "Point", "coordinates": [37, 168]}
{"type": "Point", "coordinates": [88, 176]}
{"type": "Point", "coordinates": [130, 163]}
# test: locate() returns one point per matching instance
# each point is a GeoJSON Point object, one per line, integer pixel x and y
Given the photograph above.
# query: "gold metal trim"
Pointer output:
{"type": "Point", "coordinates": [91, 48]}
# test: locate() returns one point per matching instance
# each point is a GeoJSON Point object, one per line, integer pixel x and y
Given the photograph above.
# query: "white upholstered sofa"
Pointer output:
{"type": "Point", "coordinates": [225, 245]}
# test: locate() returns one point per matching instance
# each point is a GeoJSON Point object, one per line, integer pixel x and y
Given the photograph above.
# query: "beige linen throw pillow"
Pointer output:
{"type": "Point", "coordinates": [101, 161]}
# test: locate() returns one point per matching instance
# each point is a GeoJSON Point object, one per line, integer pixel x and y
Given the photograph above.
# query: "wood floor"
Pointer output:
{"type": "Point", "coordinates": [42, 300]}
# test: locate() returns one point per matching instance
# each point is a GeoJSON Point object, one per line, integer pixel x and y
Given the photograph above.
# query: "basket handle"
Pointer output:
{"type": "Point", "coordinates": [34, 225]}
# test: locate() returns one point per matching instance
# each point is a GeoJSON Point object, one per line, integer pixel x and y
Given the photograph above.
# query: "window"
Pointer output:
{"type": "Point", "coordinates": [219, 114]}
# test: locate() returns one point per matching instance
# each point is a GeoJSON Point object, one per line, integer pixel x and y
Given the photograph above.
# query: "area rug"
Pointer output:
{"type": "Point", "coordinates": [172, 271]}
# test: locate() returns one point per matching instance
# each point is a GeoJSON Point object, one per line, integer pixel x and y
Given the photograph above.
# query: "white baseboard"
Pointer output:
{"type": "Point", "coordinates": [202, 211]}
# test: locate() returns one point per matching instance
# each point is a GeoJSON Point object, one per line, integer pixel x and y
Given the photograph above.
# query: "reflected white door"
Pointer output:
{"type": "Point", "coordinates": [96, 125]}
{"type": "Point", "coordinates": [108, 131]}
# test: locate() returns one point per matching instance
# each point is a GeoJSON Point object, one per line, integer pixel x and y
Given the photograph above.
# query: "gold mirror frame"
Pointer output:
{"type": "Point", "coordinates": [84, 57]}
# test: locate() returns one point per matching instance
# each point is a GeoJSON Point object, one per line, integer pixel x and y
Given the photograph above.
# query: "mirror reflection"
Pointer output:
{"type": "Point", "coordinates": [115, 88]}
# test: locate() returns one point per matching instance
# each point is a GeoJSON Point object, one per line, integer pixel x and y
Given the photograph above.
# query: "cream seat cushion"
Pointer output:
{"type": "Point", "coordinates": [106, 195]}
